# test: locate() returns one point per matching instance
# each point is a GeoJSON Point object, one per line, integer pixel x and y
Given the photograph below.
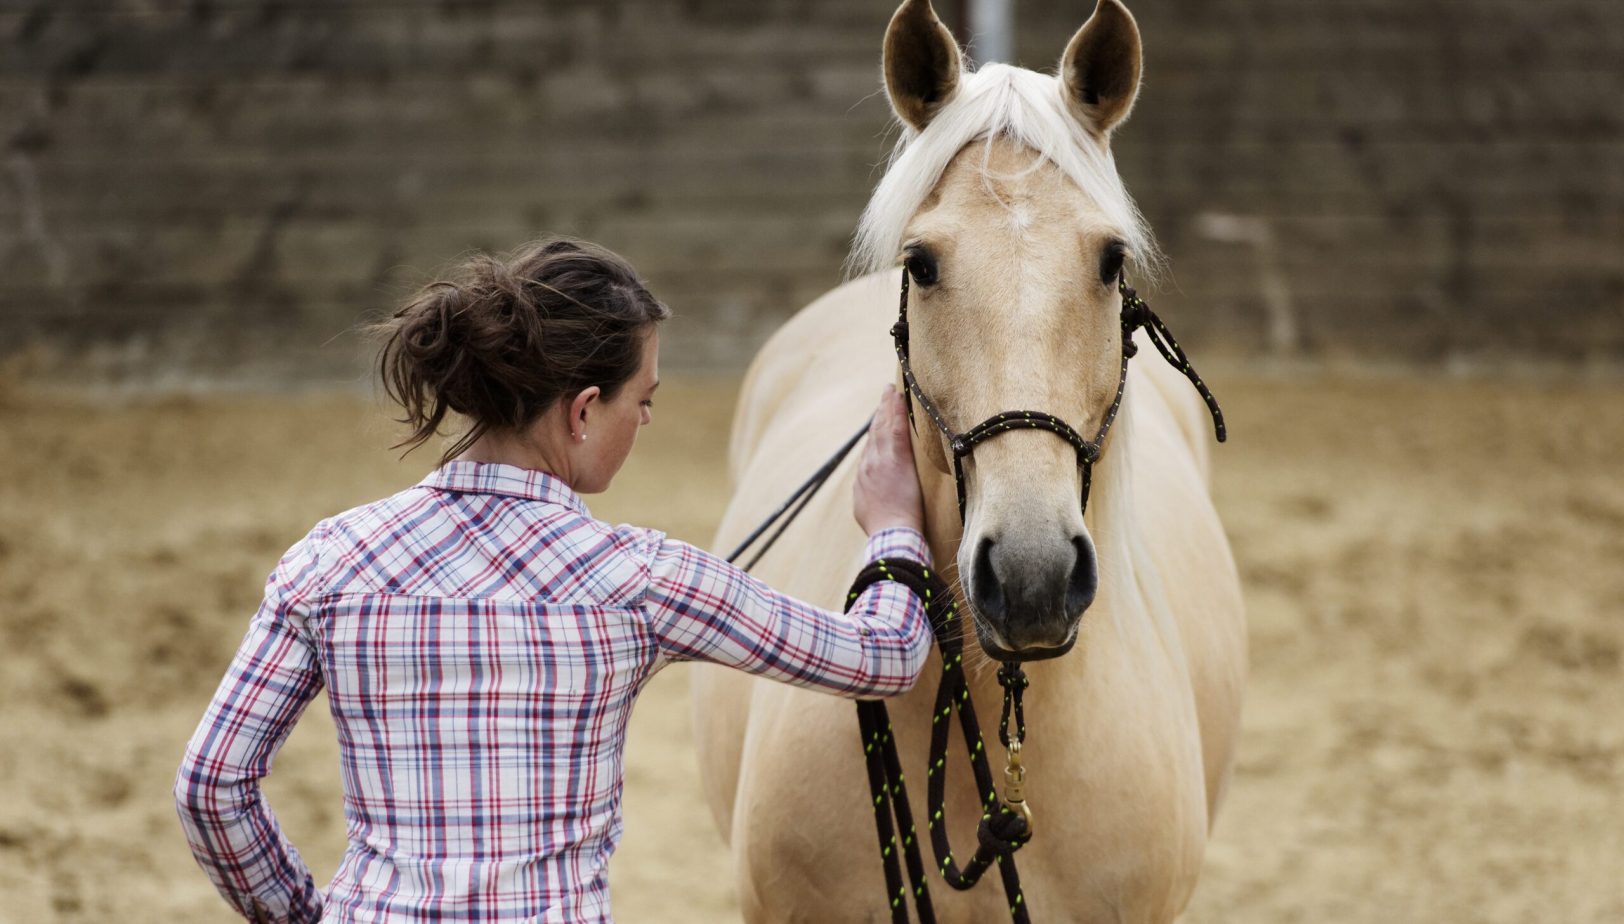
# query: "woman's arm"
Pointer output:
{"type": "Point", "coordinates": [232, 832]}
{"type": "Point", "coordinates": [703, 609]}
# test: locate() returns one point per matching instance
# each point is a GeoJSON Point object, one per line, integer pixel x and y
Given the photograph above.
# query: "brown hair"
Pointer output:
{"type": "Point", "coordinates": [505, 338]}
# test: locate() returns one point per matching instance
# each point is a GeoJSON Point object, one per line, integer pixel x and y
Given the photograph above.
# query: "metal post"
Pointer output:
{"type": "Point", "coordinates": [992, 31]}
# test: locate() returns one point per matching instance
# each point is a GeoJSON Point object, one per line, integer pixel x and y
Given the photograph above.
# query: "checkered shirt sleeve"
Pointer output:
{"type": "Point", "coordinates": [231, 830]}
{"type": "Point", "coordinates": [703, 609]}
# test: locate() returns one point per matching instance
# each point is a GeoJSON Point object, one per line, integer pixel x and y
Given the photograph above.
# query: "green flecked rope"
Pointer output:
{"type": "Point", "coordinates": [1002, 831]}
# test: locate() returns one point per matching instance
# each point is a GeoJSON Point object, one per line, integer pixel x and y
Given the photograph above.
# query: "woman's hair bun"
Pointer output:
{"type": "Point", "coordinates": [502, 339]}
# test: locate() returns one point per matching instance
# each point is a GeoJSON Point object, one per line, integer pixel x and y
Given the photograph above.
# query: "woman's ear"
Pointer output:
{"type": "Point", "coordinates": [579, 410]}
{"type": "Point", "coordinates": [1099, 72]}
{"type": "Point", "coordinates": [921, 63]}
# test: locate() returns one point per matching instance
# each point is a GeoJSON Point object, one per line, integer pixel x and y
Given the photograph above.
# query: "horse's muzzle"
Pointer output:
{"type": "Point", "coordinates": [1029, 597]}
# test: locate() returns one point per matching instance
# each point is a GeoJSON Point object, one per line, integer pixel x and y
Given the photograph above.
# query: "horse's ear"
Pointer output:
{"type": "Point", "coordinates": [1099, 72]}
{"type": "Point", "coordinates": [921, 63]}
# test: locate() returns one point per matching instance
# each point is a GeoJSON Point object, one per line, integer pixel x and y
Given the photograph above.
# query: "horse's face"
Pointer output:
{"type": "Point", "coordinates": [1015, 307]}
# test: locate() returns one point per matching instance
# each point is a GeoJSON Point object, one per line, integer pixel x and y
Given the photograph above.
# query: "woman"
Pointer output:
{"type": "Point", "coordinates": [482, 638]}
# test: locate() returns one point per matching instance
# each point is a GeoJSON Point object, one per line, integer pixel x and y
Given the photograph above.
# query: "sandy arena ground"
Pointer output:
{"type": "Point", "coordinates": [1435, 575]}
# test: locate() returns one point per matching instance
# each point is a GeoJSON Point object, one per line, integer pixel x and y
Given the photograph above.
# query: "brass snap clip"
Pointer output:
{"type": "Point", "coordinates": [1015, 784]}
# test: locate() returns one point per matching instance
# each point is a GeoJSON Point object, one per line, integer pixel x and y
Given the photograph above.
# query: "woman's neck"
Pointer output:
{"type": "Point", "coordinates": [519, 449]}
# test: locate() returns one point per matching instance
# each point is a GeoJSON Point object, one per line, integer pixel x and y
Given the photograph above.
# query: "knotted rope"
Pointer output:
{"type": "Point", "coordinates": [1004, 827]}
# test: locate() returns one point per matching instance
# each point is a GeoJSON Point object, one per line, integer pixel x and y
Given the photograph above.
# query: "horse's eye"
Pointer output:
{"type": "Point", "coordinates": [921, 266]}
{"type": "Point", "coordinates": [1111, 261]}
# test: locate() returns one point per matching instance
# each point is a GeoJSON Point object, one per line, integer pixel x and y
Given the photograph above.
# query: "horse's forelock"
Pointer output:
{"type": "Point", "coordinates": [996, 101]}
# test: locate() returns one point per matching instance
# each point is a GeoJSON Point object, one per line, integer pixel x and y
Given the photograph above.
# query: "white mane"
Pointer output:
{"type": "Point", "coordinates": [996, 101]}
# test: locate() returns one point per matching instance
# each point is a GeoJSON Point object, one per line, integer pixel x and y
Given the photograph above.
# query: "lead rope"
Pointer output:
{"type": "Point", "coordinates": [1005, 826]}
{"type": "Point", "coordinates": [1136, 313]}
{"type": "Point", "coordinates": [791, 508]}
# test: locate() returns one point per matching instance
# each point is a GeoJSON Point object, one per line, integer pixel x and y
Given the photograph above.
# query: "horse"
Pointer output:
{"type": "Point", "coordinates": [1003, 204]}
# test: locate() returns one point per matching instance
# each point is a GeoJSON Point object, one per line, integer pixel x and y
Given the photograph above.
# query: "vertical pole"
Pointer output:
{"type": "Point", "coordinates": [992, 31]}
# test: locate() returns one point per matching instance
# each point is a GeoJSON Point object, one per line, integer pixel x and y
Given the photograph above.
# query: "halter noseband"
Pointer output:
{"type": "Point", "coordinates": [1136, 313]}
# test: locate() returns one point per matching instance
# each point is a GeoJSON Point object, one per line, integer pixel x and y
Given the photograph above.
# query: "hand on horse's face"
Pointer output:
{"type": "Point", "coordinates": [887, 490]}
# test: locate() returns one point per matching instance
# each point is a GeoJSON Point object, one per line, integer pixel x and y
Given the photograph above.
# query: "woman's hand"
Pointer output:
{"type": "Point", "coordinates": [887, 489]}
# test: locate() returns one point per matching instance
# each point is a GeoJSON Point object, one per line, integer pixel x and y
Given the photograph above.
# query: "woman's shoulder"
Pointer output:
{"type": "Point", "coordinates": [620, 557]}
{"type": "Point", "coordinates": [426, 541]}
{"type": "Point", "coordinates": [377, 520]}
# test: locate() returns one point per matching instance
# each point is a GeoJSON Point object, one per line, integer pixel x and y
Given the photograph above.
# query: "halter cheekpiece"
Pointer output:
{"type": "Point", "coordinates": [1136, 314]}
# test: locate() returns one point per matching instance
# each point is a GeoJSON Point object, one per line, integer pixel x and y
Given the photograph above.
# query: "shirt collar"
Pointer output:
{"type": "Point", "coordinates": [465, 477]}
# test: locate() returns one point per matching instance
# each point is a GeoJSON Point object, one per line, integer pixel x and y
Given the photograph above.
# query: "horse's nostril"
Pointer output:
{"type": "Point", "coordinates": [985, 588]}
{"type": "Point", "coordinates": [1085, 577]}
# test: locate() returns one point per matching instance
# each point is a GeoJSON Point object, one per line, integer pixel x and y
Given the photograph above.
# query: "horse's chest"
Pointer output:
{"type": "Point", "coordinates": [1120, 825]}
{"type": "Point", "coordinates": [1107, 847]}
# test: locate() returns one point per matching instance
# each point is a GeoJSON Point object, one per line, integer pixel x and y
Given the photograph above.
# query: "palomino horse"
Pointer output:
{"type": "Point", "coordinates": [1005, 206]}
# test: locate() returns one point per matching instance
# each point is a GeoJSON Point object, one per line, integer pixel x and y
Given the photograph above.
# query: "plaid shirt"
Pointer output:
{"type": "Point", "coordinates": [482, 640]}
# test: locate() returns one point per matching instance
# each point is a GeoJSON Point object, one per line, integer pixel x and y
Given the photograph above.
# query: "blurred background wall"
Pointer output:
{"type": "Point", "coordinates": [207, 192]}
{"type": "Point", "coordinates": [226, 188]}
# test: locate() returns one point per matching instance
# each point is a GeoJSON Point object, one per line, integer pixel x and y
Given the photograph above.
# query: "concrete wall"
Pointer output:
{"type": "Point", "coordinates": [1431, 179]}
{"type": "Point", "coordinates": [225, 186]}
